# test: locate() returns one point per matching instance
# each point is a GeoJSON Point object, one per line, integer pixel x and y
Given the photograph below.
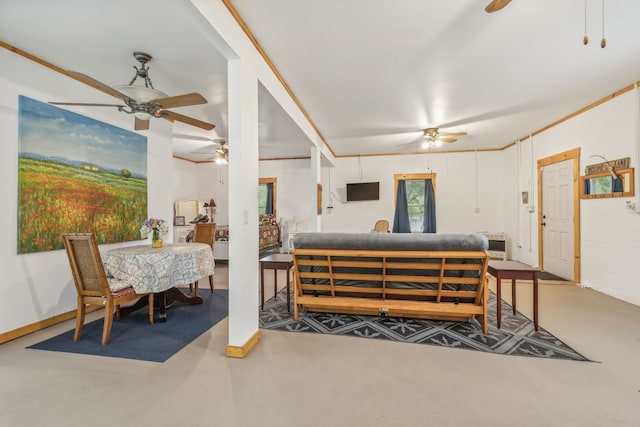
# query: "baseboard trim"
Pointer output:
{"type": "Point", "coordinates": [241, 351]}
{"type": "Point", "coordinates": [41, 324]}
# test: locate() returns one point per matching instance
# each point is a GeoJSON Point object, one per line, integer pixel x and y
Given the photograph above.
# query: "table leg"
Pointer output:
{"type": "Point", "coordinates": [275, 282]}
{"type": "Point", "coordinates": [175, 294]}
{"type": "Point", "coordinates": [261, 287]}
{"type": "Point", "coordinates": [535, 301]}
{"type": "Point", "coordinates": [161, 298]}
{"type": "Point", "coordinates": [288, 297]}
{"type": "Point", "coordinates": [513, 295]}
{"type": "Point", "coordinates": [162, 301]}
{"type": "Point", "coordinates": [125, 311]}
{"type": "Point", "coordinates": [498, 300]}
{"type": "Point", "coordinates": [195, 288]}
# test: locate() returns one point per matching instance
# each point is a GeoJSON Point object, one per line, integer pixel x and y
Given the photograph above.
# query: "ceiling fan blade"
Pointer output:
{"type": "Point", "coordinates": [86, 104]}
{"type": "Point", "coordinates": [212, 148]}
{"type": "Point", "coordinates": [496, 5]}
{"type": "Point", "coordinates": [97, 85]}
{"type": "Point", "coordinates": [449, 135]}
{"type": "Point", "coordinates": [171, 116]}
{"type": "Point", "coordinates": [180, 100]}
{"type": "Point", "coordinates": [447, 139]}
{"type": "Point", "coordinates": [214, 141]}
{"type": "Point", "coordinates": [141, 124]}
{"type": "Point", "coordinates": [415, 141]}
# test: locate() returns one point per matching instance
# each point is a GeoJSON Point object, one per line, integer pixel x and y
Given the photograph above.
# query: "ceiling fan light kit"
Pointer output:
{"type": "Point", "coordinates": [141, 98]}
{"type": "Point", "coordinates": [431, 143]}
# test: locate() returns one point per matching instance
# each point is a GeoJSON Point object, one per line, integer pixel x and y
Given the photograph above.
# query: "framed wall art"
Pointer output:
{"type": "Point", "coordinates": [77, 174]}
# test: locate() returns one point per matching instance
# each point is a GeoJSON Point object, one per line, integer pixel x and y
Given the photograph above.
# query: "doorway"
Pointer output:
{"type": "Point", "coordinates": [559, 215]}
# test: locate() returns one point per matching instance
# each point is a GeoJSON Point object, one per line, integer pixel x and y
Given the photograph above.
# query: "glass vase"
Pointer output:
{"type": "Point", "coordinates": [156, 241]}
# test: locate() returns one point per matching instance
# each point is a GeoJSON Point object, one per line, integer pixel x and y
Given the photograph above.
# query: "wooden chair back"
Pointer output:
{"type": "Point", "coordinates": [381, 226]}
{"type": "Point", "coordinates": [204, 233]}
{"type": "Point", "coordinates": [86, 264]}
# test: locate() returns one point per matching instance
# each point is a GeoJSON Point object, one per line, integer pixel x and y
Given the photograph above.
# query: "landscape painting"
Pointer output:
{"type": "Point", "coordinates": [78, 175]}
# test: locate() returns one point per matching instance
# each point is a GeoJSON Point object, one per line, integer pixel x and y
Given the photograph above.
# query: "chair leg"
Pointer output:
{"type": "Point", "coordinates": [211, 283]}
{"type": "Point", "coordinates": [108, 320]}
{"type": "Point", "coordinates": [79, 319]}
{"type": "Point", "coordinates": [151, 308]}
{"type": "Point", "coordinates": [194, 287]}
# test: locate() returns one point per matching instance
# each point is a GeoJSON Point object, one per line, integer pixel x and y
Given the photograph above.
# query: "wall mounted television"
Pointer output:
{"type": "Point", "coordinates": [363, 191]}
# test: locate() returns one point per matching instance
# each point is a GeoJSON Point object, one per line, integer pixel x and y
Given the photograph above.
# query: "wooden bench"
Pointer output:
{"type": "Point", "coordinates": [442, 284]}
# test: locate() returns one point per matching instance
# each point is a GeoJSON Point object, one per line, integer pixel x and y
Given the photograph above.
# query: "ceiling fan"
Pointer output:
{"type": "Point", "coordinates": [218, 148]}
{"type": "Point", "coordinates": [496, 5]}
{"type": "Point", "coordinates": [432, 138]}
{"type": "Point", "coordinates": [144, 102]}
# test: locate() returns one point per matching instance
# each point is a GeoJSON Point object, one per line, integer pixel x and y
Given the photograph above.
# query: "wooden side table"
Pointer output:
{"type": "Point", "coordinates": [275, 262]}
{"type": "Point", "coordinates": [514, 270]}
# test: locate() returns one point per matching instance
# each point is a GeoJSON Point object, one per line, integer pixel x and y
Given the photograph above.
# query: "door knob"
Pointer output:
{"type": "Point", "coordinates": [544, 224]}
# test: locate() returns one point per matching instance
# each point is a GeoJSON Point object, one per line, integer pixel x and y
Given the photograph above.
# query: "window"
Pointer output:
{"type": "Point", "coordinates": [415, 204]}
{"type": "Point", "coordinates": [415, 194]}
{"type": "Point", "coordinates": [266, 198]}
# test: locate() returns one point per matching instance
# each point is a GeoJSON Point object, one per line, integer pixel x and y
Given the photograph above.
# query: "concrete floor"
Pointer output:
{"type": "Point", "coordinates": [292, 379]}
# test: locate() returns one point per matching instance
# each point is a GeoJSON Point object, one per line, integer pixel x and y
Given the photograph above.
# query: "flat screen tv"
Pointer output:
{"type": "Point", "coordinates": [363, 191]}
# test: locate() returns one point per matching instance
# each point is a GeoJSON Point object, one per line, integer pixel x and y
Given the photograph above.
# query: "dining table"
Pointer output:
{"type": "Point", "coordinates": [161, 271]}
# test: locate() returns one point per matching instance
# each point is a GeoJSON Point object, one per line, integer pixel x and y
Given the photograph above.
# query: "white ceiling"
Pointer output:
{"type": "Point", "coordinates": [371, 74]}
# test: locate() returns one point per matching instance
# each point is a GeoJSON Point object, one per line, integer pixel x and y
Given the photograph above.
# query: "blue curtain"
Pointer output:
{"type": "Point", "coordinates": [429, 220]}
{"type": "Point", "coordinates": [617, 185]}
{"type": "Point", "coordinates": [269, 208]}
{"type": "Point", "coordinates": [401, 217]}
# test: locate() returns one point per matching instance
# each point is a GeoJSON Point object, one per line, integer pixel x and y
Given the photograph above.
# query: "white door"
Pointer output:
{"type": "Point", "coordinates": [557, 219]}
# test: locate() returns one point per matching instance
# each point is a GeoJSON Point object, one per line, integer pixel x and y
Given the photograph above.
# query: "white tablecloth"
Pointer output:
{"type": "Point", "coordinates": [150, 269]}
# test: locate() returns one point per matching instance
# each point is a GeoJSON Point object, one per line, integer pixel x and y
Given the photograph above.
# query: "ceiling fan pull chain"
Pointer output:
{"type": "Point", "coordinates": [585, 39]}
{"type": "Point", "coordinates": [603, 42]}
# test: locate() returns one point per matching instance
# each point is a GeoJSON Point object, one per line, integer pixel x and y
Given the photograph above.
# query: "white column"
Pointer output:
{"type": "Point", "coordinates": [316, 178]}
{"type": "Point", "coordinates": [243, 202]}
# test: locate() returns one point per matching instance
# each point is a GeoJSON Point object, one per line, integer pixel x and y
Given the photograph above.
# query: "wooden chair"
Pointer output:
{"type": "Point", "coordinates": [92, 283]}
{"type": "Point", "coordinates": [204, 233]}
{"type": "Point", "coordinates": [381, 226]}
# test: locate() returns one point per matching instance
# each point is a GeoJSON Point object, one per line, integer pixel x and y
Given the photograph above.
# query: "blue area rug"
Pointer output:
{"type": "Point", "coordinates": [517, 335]}
{"type": "Point", "coordinates": [133, 337]}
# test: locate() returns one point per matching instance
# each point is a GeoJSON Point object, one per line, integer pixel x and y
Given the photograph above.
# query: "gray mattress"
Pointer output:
{"type": "Point", "coordinates": [392, 241]}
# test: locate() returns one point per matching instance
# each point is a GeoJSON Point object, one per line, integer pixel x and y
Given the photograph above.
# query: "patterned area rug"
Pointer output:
{"type": "Point", "coordinates": [516, 336]}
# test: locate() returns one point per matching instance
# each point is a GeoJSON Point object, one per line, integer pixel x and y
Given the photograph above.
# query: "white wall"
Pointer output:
{"type": "Point", "coordinates": [610, 233]}
{"type": "Point", "coordinates": [39, 285]}
{"type": "Point", "coordinates": [202, 181]}
{"type": "Point", "coordinates": [455, 190]}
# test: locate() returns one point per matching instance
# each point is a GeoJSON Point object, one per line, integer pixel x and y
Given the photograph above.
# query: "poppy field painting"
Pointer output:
{"type": "Point", "coordinates": [77, 175]}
